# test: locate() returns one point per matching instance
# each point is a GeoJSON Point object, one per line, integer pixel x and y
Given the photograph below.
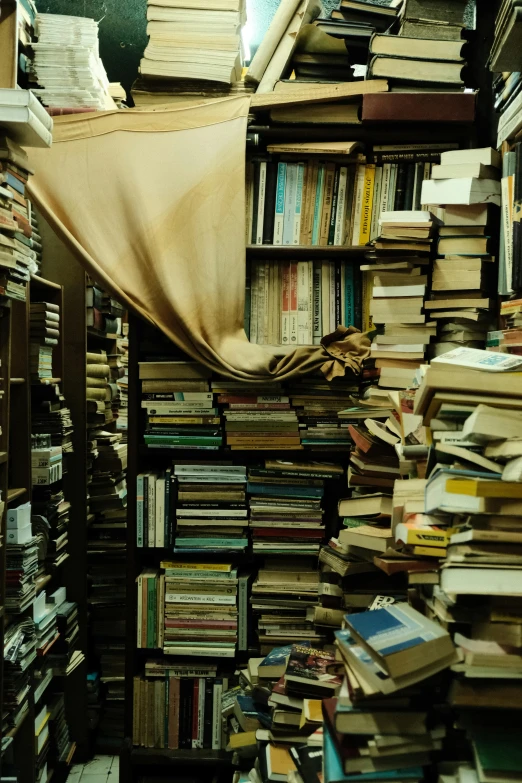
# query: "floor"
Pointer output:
{"type": "Point", "coordinates": [101, 769]}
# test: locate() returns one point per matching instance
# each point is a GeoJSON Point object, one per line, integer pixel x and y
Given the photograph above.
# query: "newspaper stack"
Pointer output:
{"type": "Point", "coordinates": [67, 65]}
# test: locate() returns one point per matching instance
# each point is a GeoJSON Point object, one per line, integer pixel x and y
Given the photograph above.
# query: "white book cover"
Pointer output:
{"type": "Point", "coordinates": [340, 215]}
{"type": "Point", "coordinates": [285, 304]}
{"type": "Point", "coordinates": [399, 347]}
{"type": "Point", "coordinates": [160, 511]}
{"type": "Point", "coordinates": [261, 202]}
{"type": "Point", "coordinates": [152, 510]}
{"type": "Point", "coordinates": [293, 303]}
{"type": "Point", "coordinates": [475, 359]}
{"type": "Point", "coordinates": [331, 297]}
{"type": "Point", "coordinates": [399, 290]}
{"type": "Point", "coordinates": [317, 309]}
{"type": "Point", "coordinates": [374, 229]}
{"type": "Point", "coordinates": [358, 196]}
{"type": "Point", "coordinates": [310, 270]}
{"type": "Point", "coordinates": [468, 190]}
{"type": "Point", "coordinates": [254, 282]}
{"type": "Point", "coordinates": [385, 188]}
{"type": "Point", "coordinates": [325, 298]}
{"type": "Point", "coordinates": [261, 304]}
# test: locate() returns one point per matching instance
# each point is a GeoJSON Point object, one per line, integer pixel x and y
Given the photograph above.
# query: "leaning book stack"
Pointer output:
{"type": "Point", "coordinates": [44, 324]}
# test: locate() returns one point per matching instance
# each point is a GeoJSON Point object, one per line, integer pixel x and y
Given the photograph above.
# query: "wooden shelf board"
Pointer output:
{"type": "Point", "coordinates": [16, 381]}
{"type": "Point", "coordinates": [224, 451]}
{"type": "Point", "coordinates": [13, 494]}
{"type": "Point", "coordinates": [3, 457]}
{"type": "Point", "coordinates": [43, 282]}
{"type": "Point", "coordinates": [163, 756]}
{"type": "Point", "coordinates": [45, 381]}
{"type": "Point", "coordinates": [313, 250]}
{"type": "Point", "coordinates": [92, 332]}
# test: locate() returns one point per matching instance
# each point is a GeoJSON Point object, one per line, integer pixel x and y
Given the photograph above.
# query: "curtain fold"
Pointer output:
{"type": "Point", "coordinates": [152, 203]}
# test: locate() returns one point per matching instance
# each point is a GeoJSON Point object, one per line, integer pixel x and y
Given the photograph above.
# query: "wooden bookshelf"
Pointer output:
{"type": "Point", "coordinates": [315, 251]}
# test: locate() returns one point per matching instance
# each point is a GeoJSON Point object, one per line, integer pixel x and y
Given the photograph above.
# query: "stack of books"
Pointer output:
{"type": "Point", "coordinates": [503, 57]}
{"type": "Point", "coordinates": [377, 665]}
{"type": "Point", "coordinates": [256, 418]}
{"type": "Point", "coordinates": [298, 302]}
{"type": "Point", "coordinates": [511, 312]}
{"type": "Point", "coordinates": [374, 463]}
{"type": "Point", "coordinates": [318, 404]}
{"type": "Point", "coordinates": [282, 601]}
{"type": "Point", "coordinates": [104, 313]}
{"type": "Point", "coordinates": [400, 261]}
{"type": "Point", "coordinates": [44, 323]}
{"type": "Point", "coordinates": [505, 340]}
{"type": "Point", "coordinates": [437, 20]}
{"type": "Point", "coordinates": [21, 568]}
{"type": "Point", "coordinates": [24, 118]}
{"type": "Point", "coordinates": [186, 702]}
{"type": "Point", "coordinates": [179, 406]}
{"type": "Point", "coordinates": [286, 513]}
{"type": "Point", "coordinates": [51, 416]}
{"type": "Point", "coordinates": [61, 746]}
{"type": "Point", "coordinates": [46, 626]}
{"type": "Point", "coordinates": [98, 392]}
{"type": "Point", "coordinates": [210, 508]}
{"type": "Point", "coordinates": [201, 613]}
{"type": "Point", "coordinates": [462, 274]}
{"type": "Point", "coordinates": [122, 348]}
{"type": "Point", "coordinates": [17, 258]}
{"type": "Point", "coordinates": [67, 67]}
{"type": "Point", "coordinates": [155, 509]}
{"type": "Point", "coordinates": [19, 654]}
{"type": "Point", "coordinates": [192, 43]}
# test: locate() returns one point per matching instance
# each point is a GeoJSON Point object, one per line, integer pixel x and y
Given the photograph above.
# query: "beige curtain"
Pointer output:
{"type": "Point", "coordinates": [152, 204]}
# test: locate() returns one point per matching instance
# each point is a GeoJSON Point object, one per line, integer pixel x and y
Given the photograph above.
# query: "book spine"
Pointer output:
{"type": "Point", "coordinates": [338, 316]}
{"type": "Point", "coordinates": [279, 204]}
{"type": "Point", "coordinates": [278, 272]}
{"type": "Point", "coordinates": [160, 512]}
{"type": "Point", "coordinates": [349, 303]}
{"type": "Point", "coordinates": [333, 214]}
{"type": "Point", "coordinates": [270, 201]}
{"type": "Point", "coordinates": [242, 606]}
{"type": "Point", "coordinates": [326, 210]}
{"type": "Point", "coordinates": [367, 293]}
{"type": "Point", "coordinates": [173, 713]}
{"type": "Point", "coordinates": [266, 300]}
{"type": "Point", "coordinates": [146, 510]}
{"type": "Point", "coordinates": [310, 209]}
{"type": "Point", "coordinates": [139, 617]}
{"type": "Point", "coordinates": [139, 511]}
{"type": "Point", "coordinates": [325, 298]}
{"type": "Point", "coordinates": [366, 209]}
{"type": "Point", "coordinates": [285, 304]}
{"type": "Point", "coordinates": [293, 312]}
{"type": "Point", "coordinates": [410, 184]}
{"type": "Point", "coordinates": [318, 205]}
{"type": "Point", "coordinates": [152, 510]}
{"type": "Point", "coordinates": [298, 204]}
{"type": "Point", "coordinates": [343, 293]}
{"type": "Point", "coordinates": [516, 277]}
{"type": "Point", "coordinates": [167, 501]}
{"type": "Point", "coordinates": [261, 202]}
{"type": "Point", "coordinates": [400, 187]}
{"type": "Point", "coordinates": [317, 303]}
{"type": "Point", "coordinates": [136, 712]}
{"type": "Point", "coordinates": [393, 185]}
{"type": "Point", "coordinates": [254, 280]}
{"type": "Point", "coordinates": [290, 199]}
{"type": "Point", "coordinates": [331, 297]}
{"type": "Point", "coordinates": [249, 200]}
{"type": "Point", "coordinates": [340, 213]}
{"type": "Point", "coordinates": [310, 334]}
{"type": "Point", "coordinates": [376, 203]}
{"type": "Point", "coordinates": [260, 304]}
{"type": "Point", "coordinates": [305, 207]}
{"type": "Point", "coordinates": [160, 621]}
{"type": "Point", "coordinates": [207, 718]}
{"type": "Point", "coordinates": [166, 701]}
{"type": "Point", "coordinates": [385, 188]}
{"type": "Point", "coordinates": [417, 186]}
{"type": "Point", "coordinates": [216, 715]}
{"type": "Point", "coordinates": [255, 202]}
{"type": "Point", "coordinates": [426, 175]}
{"type": "Point", "coordinates": [358, 196]}
{"type": "Point", "coordinates": [302, 302]}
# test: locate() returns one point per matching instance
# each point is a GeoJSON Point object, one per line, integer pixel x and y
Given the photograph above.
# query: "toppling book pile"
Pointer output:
{"type": "Point", "coordinates": [298, 302]}
{"type": "Point", "coordinates": [282, 601]}
{"type": "Point", "coordinates": [192, 42]}
{"type": "Point", "coordinates": [44, 324]}
{"type": "Point", "coordinates": [210, 508]}
{"type": "Point", "coordinates": [201, 609]}
{"type": "Point", "coordinates": [257, 417]}
{"type": "Point", "coordinates": [179, 406]}
{"type": "Point", "coordinates": [17, 257]}
{"type": "Point", "coordinates": [399, 264]}
{"type": "Point", "coordinates": [467, 184]}
{"type": "Point", "coordinates": [187, 701]}
{"type": "Point", "coordinates": [67, 67]}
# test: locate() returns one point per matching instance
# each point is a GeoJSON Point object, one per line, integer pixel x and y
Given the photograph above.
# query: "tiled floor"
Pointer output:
{"type": "Point", "coordinates": [102, 769]}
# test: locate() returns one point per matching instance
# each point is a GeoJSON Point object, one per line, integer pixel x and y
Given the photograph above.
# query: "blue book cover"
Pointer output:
{"type": "Point", "coordinates": [318, 204]}
{"type": "Point", "coordinates": [334, 773]}
{"type": "Point", "coordinates": [206, 542]}
{"type": "Point", "coordinates": [276, 657]}
{"type": "Point", "coordinates": [280, 204]}
{"type": "Point", "coordinates": [15, 183]}
{"type": "Point", "coordinates": [251, 709]}
{"type": "Point", "coordinates": [349, 299]}
{"type": "Point", "coordinates": [278, 490]}
{"type": "Point", "coordinates": [393, 629]}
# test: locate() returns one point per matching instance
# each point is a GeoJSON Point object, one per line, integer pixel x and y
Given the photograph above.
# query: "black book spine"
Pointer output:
{"type": "Point", "coordinates": [417, 187]}
{"type": "Point", "coordinates": [357, 298]}
{"type": "Point", "coordinates": [410, 184]}
{"type": "Point", "coordinates": [333, 216]}
{"type": "Point", "coordinates": [400, 190]}
{"type": "Point", "coordinates": [423, 156]}
{"type": "Point", "coordinates": [270, 196]}
{"type": "Point", "coordinates": [338, 314]}
{"type": "Point", "coordinates": [207, 718]}
{"type": "Point", "coordinates": [516, 280]}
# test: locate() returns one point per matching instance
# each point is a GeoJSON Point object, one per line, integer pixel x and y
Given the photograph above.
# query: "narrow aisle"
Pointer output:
{"type": "Point", "coordinates": [101, 769]}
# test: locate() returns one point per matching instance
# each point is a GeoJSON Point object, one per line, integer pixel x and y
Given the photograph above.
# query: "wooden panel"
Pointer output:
{"type": "Point", "coordinates": [8, 45]}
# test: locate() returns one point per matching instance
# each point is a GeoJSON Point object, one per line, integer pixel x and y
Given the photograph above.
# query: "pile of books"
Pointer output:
{"type": "Point", "coordinates": [50, 416]}
{"type": "Point", "coordinates": [21, 561]}
{"type": "Point", "coordinates": [19, 653]}
{"type": "Point", "coordinates": [201, 612]}
{"type": "Point", "coordinates": [211, 510]}
{"type": "Point", "coordinates": [467, 184]}
{"type": "Point", "coordinates": [318, 404]}
{"type": "Point", "coordinates": [98, 391]}
{"type": "Point", "coordinates": [61, 746]}
{"type": "Point", "coordinates": [282, 601]}
{"type": "Point", "coordinates": [104, 313]}
{"type": "Point", "coordinates": [122, 380]}
{"type": "Point", "coordinates": [17, 257]}
{"type": "Point", "coordinates": [192, 43]}
{"type": "Point", "coordinates": [298, 302]}
{"type": "Point", "coordinates": [67, 68]}
{"type": "Point", "coordinates": [155, 511]}
{"type": "Point", "coordinates": [257, 417]}
{"type": "Point", "coordinates": [187, 701]}
{"type": "Point", "coordinates": [286, 513]}
{"type": "Point", "coordinates": [504, 52]}
{"type": "Point", "coordinates": [179, 406]}
{"type": "Point", "coordinates": [399, 264]}
{"type": "Point", "coordinates": [44, 324]}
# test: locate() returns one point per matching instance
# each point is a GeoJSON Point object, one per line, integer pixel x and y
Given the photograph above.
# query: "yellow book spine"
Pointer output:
{"type": "Point", "coordinates": [367, 294]}
{"type": "Point", "coordinates": [366, 215]}
{"type": "Point", "coordinates": [429, 537]}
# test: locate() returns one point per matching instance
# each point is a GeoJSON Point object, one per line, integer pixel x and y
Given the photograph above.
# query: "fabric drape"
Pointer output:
{"type": "Point", "coordinates": [152, 203]}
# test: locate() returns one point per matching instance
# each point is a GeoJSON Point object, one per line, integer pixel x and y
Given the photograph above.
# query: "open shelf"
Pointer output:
{"type": "Point", "coordinates": [37, 280]}
{"type": "Point", "coordinates": [13, 494]}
